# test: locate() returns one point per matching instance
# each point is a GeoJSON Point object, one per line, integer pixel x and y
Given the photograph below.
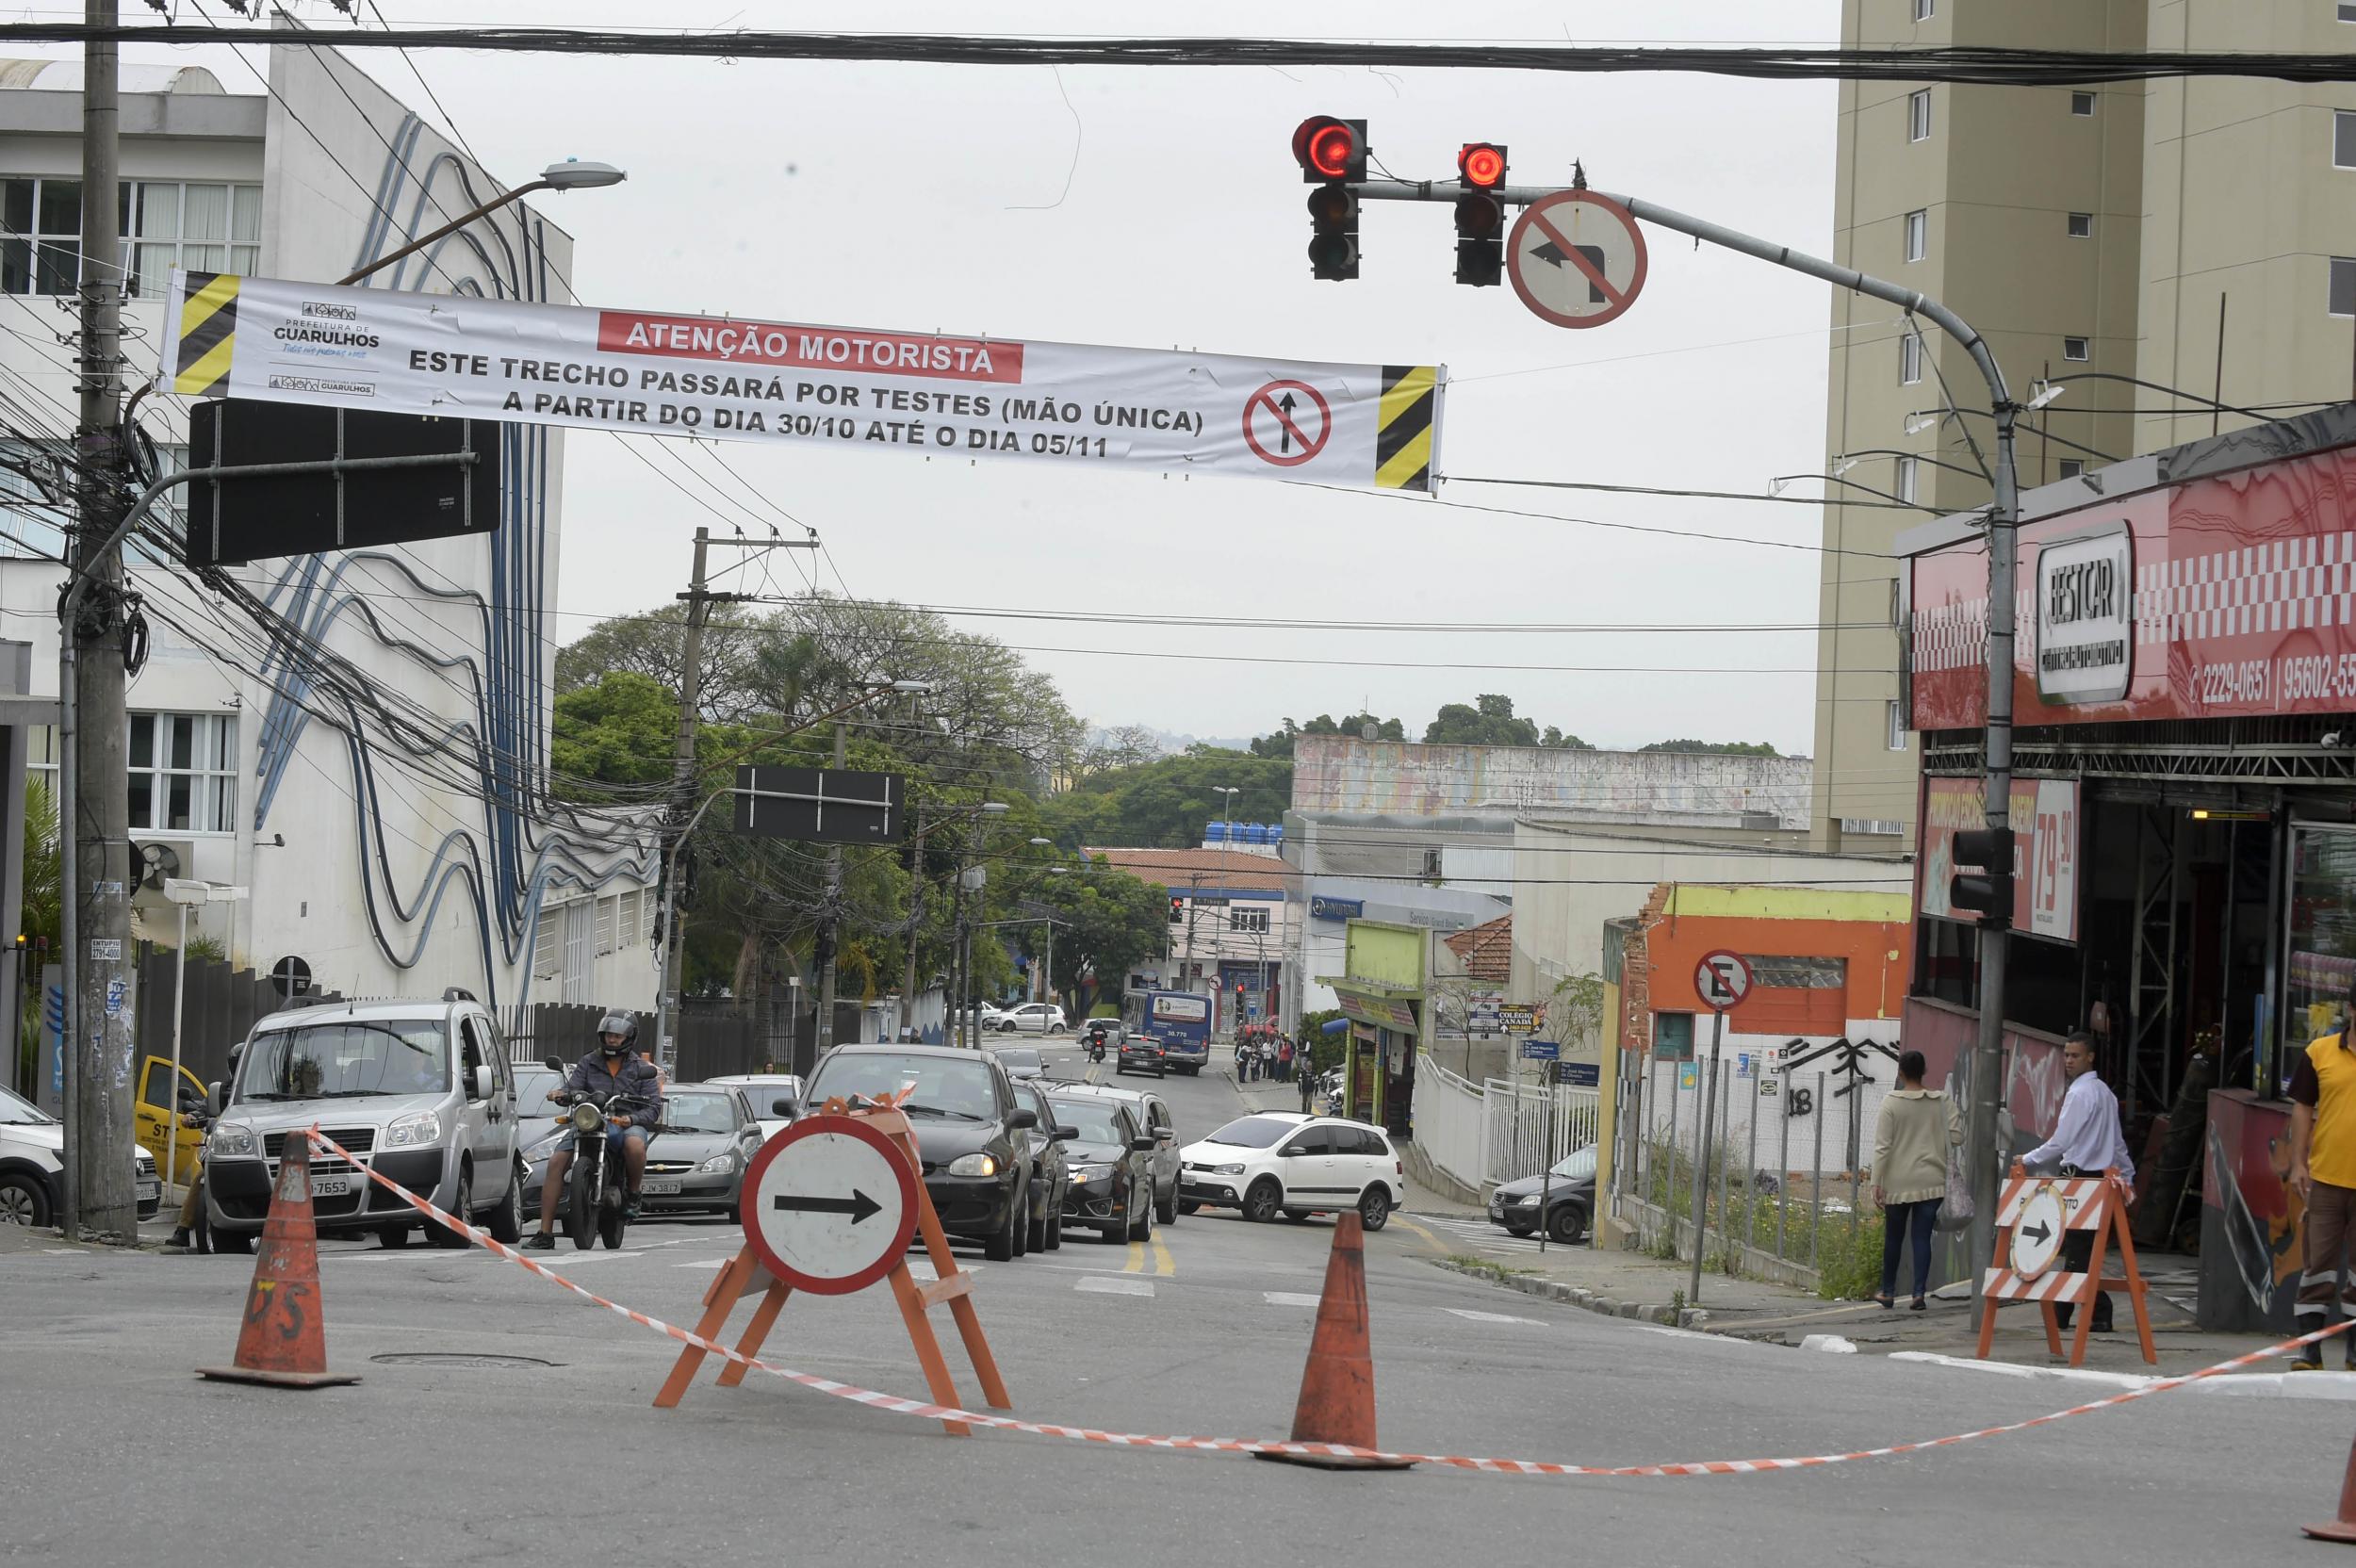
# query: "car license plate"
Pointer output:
{"type": "Point", "coordinates": [661, 1185]}
{"type": "Point", "coordinates": [151, 1190]}
{"type": "Point", "coordinates": [330, 1186]}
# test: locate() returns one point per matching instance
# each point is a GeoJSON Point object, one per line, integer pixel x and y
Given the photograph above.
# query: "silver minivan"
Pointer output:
{"type": "Point", "coordinates": [421, 1091]}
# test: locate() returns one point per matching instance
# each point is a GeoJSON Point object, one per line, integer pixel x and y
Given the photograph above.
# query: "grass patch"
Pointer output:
{"type": "Point", "coordinates": [1469, 1264]}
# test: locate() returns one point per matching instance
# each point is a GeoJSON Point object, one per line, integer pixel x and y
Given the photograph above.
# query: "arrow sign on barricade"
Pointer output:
{"type": "Point", "coordinates": [2035, 1217]}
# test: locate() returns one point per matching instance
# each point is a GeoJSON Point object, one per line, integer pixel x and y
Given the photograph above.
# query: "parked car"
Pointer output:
{"type": "Point", "coordinates": [1568, 1192]}
{"type": "Point", "coordinates": [421, 1089]}
{"type": "Point", "coordinates": [1036, 1017]}
{"type": "Point", "coordinates": [1021, 1061]}
{"type": "Point", "coordinates": [969, 1130]}
{"type": "Point", "coordinates": [1142, 1052]}
{"type": "Point", "coordinates": [1051, 1168]}
{"type": "Point", "coordinates": [1153, 1118]}
{"type": "Point", "coordinates": [1112, 1169]}
{"type": "Point", "coordinates": [765, 1091]}
{"type": "Point", "coordinates": [695, 1161]}
{"type": "Point", "coordinates": [31, 1171]}
{"type": "Point", "coordinates": [1303, 1164]}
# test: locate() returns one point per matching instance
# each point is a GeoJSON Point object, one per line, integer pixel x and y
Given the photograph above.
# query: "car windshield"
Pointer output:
{"type": "Point", "coordinates": [531, 1087]}
{"type": "Point", "coordinates": [947, 1085]}
{"type": "Point", "coordinates": [347, 1057]}
{"type": "Point", "coordinates": [1576, 1167]}
{"type": "Point", "coordinates": [16, 1110]}
{"type": "Point", "coordinates": [1021, 1058]}
{"type": "Point", "coordinates": [1252, 1132]}
{"type": "Point", "coordinates": [1097, 1121]}
{"type": "Point", "coordinates": [698, 1113]}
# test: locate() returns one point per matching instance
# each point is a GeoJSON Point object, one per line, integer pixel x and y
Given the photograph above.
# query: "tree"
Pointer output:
{"type": "Point", "coordinates": [1489, 722]}
{"type": "Point", "coordinates": [1111, 920]}
{"type": "Point", "coordinates": [1164, 803]}
{"type": "Point", "coordinates": [1123, 747]}
{"type": "Point", "coordinates": [1721, 748]}
{"type": "Point", "coordinates": [1560, 741]}
{"type": "Point", "coordinates": [1280, 744]}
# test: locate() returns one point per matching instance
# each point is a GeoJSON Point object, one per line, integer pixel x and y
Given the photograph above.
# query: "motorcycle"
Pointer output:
{"type": "Point", "coordinates": [1096, 1045]}
{"type": "Point", "coordinates": [598, 1186]}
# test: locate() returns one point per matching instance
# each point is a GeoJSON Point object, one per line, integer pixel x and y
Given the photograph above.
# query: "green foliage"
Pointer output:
{"type": "Point", "coordinates": [1719, 748]}
{"type": "Point", "coordinates": [42, 861]}
{"type": "Point", "coordinates": [620, 730]}
{"type": "Point", "coordinates": [1490, 721]}
{"type": "Point", "coordinates": [1325, 1050]}
{"type": "Point", "coordinates": [1164, 803]}
{"type": "Point", "coordinates": [1560, 742]}
{"type": "Point", "coordinates": [209, 948]}
{"type": "Point", "coordinates": [1354, 725]}
{"type": "Point", "coordinates": [1110, 921]}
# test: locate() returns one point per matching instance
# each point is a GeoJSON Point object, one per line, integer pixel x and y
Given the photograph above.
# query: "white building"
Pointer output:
{"type": "Point", "coordinates": [386, 866]}
{"type": "Point", "coordinates": [1230, 927]}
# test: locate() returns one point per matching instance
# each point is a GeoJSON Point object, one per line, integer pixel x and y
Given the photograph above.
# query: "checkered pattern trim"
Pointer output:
{"type": "Point", "coordinates": [1951, 636]}
{"type": "Point", "coordinates": [2282, 585]}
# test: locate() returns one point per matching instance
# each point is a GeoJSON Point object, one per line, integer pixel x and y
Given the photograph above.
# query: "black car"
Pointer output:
{"type": "Point", "coordinates": [1569, 1194]}
{"type": "Point", "coordinates": [1140, 1051]}
{"type": "Point", "coordinates": [1049, 1169]}
{"type": "Point", "coordinates": [1112, 1174]}
{"type": "Point", "coordinates": [969, 1126]}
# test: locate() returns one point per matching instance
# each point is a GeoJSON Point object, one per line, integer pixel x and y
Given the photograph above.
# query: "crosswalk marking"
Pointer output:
{"type": "Point", "coordinates": [1479, 1231]}
{"type": "Point", "coordinates": [1470, 1316]}
{"type": "Point", "coordinates": [1287, 1299]}
{"type": "Point", "coordinates": [1114, 1285]}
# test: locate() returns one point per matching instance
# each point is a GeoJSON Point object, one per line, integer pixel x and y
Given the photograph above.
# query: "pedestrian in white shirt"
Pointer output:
{"type": "Point", "coordinates": [2087, 1141]}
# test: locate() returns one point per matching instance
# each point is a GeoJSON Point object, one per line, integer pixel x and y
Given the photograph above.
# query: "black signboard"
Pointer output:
{"type": "Point", "coordinates": [233, 520]}
{"type": "Point", "coordinates": [820, 805]}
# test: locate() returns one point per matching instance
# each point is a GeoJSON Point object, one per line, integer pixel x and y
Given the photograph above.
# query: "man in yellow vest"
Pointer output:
{"type": "Point", "coordinates": [2323, 1172]}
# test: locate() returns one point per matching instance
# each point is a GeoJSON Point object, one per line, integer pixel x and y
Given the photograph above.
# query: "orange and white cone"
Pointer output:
{"type": "Point", "coordinates": [1338, 1386]}
{"type": "Point", "coordinates": [284, 1341]}
{"type": "Point", "coordinates": [2343, 1527]}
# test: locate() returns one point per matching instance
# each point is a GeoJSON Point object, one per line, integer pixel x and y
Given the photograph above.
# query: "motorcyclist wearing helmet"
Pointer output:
{"type": "Point", "coordinates": [614, 1067]}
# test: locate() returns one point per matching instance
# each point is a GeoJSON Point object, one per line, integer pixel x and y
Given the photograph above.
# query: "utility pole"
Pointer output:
{"type": "Point", "coordinates": [830, 927]}
{"type": "Point", "coordinates": [100, 988]}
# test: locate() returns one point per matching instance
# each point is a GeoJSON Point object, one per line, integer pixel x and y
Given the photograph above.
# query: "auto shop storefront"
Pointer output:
{"type": "Point", "coordinates": [2184, 810]}
{"type": "Point", "coordinates": [1383, 996]}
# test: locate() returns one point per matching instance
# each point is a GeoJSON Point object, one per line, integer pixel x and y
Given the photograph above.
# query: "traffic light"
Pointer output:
{"type": "Point", "coordinates": [1177, 910]}
{"type": "Point", "coordinates": [1479, 215]}
{"type": "Point", "coordinates": [1988, 892]}
{"type": "Point", "coordinates": [1332, 155]}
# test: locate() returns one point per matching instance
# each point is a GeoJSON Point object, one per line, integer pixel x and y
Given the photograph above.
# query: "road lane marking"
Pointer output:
{"type": "Point", "coordinates": [705, 1263]}
{"type": "Point", "coordinates": [1429, 1240]}
{"type": "Point", "coordinates": [1136, 1259]}
{"type": "Point", "coordinates": [1472, 1316]}
{"type": "Point", "coordinates": [1114, 1285]}
{"type": "Point", "coordinates": [1288, 1299]}
{"type": "Point", "coordinates": [1164, 1263]}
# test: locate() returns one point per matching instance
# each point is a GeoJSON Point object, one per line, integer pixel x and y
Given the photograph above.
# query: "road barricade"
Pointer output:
{"type": "Point", "coordinates": [2033, 1219]}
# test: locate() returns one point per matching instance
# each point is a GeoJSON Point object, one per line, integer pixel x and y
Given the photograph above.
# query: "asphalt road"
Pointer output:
{"type": "Point", "coordinates": [112, 1452]}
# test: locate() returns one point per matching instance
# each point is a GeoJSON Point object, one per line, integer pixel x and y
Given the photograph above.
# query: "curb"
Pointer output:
{"type": "Point", "coordinates": [1555, 1290]}
{"type": "Point", "coordinates": [2340, 1386]}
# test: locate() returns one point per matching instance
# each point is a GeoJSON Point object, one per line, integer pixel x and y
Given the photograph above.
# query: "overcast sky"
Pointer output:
{"type": "Point", "coordinates": [1161, 207]}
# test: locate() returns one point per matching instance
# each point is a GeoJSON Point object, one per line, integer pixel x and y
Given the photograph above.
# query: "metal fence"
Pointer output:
{"type": "Point", "coordinates": [1498, 1129]}
{"type": "Point", "coordinates": [1451, 1122]}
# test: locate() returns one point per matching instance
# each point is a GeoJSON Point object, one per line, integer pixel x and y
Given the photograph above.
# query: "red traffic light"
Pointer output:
{"type": "Point", "coordinates": [1327, 148]}
{"type": "Point", "coordinates": [1482, 164]}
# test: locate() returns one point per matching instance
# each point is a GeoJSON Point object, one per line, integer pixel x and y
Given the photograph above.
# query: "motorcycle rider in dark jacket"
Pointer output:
{"type": "Point", "coordinates": [615, 1066]}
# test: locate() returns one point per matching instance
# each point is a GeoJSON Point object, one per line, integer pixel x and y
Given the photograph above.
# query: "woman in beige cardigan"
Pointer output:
{"type": "Point", "coordinates": [1916, 1128]}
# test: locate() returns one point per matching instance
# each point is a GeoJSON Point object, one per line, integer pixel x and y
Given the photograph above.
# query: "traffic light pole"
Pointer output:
{"type": "Point", "coordinates": [2004, 517]}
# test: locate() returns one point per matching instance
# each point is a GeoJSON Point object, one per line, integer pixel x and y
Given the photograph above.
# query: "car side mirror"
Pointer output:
{"type": "Point", "coordinates": [1065, 1135]}
{"type": "Point", "coordinates": [1293, 1152]}
{"type": "Point", "coordinates": [781, 1106]}
{"type": "Point", "coordinates": [554, 1064]}
{"type": "Point", "coordinates": [482, 1081]}
{"type": "Point", "coordinates": [1017, 1120]}
{"type": "Point", "coordinates": [215, 1101]}
{"type": "Point", "coordinates": [1141, 1145]}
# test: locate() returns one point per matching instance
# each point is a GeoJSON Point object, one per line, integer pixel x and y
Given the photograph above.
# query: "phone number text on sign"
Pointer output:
{"type": "Point", "coordinates": [2297, 677]}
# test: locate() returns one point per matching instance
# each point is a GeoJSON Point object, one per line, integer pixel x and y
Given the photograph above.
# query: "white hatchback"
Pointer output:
{"type": "Point", "coordinates": [1299, 1165]}
{"type": "Point", "coordinates": [1034, 1018]}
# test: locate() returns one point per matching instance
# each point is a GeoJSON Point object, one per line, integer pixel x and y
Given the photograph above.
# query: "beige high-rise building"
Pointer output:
{"type": "Point", "coordinates": [2086, 232]}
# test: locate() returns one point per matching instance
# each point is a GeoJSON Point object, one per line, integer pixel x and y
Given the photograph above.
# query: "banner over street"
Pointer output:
{"type": "Point", "coordinates": [1372, 427]}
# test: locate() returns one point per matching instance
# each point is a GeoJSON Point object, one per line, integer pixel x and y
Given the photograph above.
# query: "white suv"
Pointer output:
{"type": "Point", "coordinates": [1303, 1164]}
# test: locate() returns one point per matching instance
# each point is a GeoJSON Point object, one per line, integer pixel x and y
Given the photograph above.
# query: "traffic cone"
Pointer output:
{"type": "Point", "coordinates": [1338, 1386]}
{"type": "Point", "coordinates": [284, 1342]}
{"type": "Point", "coordinates": [2343, 1527]}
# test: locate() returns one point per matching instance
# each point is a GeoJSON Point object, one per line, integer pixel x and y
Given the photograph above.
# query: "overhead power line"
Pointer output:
{"type": "Point", "coordinates": [1779, 62]}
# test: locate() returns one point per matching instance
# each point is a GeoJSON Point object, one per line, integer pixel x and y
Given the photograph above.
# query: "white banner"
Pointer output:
{"type": "Point", "coordinates": [1368, 426]}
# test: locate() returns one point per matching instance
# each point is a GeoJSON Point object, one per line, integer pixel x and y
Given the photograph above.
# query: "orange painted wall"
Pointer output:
{"type": "Point", "coordinates": [1876, 954]}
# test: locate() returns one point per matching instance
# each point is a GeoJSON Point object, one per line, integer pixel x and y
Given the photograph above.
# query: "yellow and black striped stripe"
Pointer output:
{"type": "Point", "coordinates": [208, 333]}
{"type": "Point", "coordinates": [1402, 439]}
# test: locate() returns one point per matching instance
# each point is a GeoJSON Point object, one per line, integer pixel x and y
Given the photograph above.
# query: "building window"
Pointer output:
{"type": "Point", "coordinates": [2082, 225]}
{"type": "Point", "coordinates": [2075, 348]}
{"type": "Point", "coordinates": [2343, 140]}
{"type": "Point", "coordinates": [2082, 105]}
{"type": "Point", "coordinates": [1905, 487]}
{"type": "Point", "coordinates": [2070, 467]}
{"type": "Point", "coordinates": [607, 933]}
{"type": "Point", "coordinates": [1897, 739]}
{"type": "Point", "coordinates": [1239, 919]}
{"type": "Point", "coordinates": [2347, 9]}
{"type": "Point", "coordinates": [1910, 359]}
{"type": "Point", "coordinates": [2343, 297]}
{"type": "Point", "coordinates": [630, 929]}
{"type": "Point", "coordinates": [1917, 234]}
{"type": "Point", "coordinates": [1924, 9]}
{"type": "Point", "coordinates": [184, 773]}
{"type": "Point", "coordinates": [1919, 115]}
{"type": "Point", "coordinates": [166, 223]}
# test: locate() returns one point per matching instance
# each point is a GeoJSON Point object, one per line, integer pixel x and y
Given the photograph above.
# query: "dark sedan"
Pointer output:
{"type": "Point", "coordinates": [1051, 1168]}
{"type": "Point", "coordinates": [1112, 1174]}
{"type": "Point", "coordinates": [1142, 1052]}
{"type": "Point", "coordinates": [696, 1162]}
{"type": "Point", "coordinates": [968, 1130]}
{"type": "Point", "coordinates": [1568, 1193]}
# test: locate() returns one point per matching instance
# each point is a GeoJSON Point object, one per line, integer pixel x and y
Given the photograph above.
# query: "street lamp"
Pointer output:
{"type": "Point", "coordinates": [572, 174]}
{"type": "Point", "coordinates": [916, 902]}
{"type": "Point", "coordinates": [1231, 794]}
{"type": "Point", "coordinates": [184, 894]}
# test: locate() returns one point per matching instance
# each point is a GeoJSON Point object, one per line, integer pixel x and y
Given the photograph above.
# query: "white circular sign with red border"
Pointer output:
{"type": "Point", "coordinates": [1286, 423]}
{"type": "Point", "coordinates": [829, 1205]}
{"type": "Point", "coordinates": [1576, 258]}
{"type": "Point", "coordinates": [1723, 979]}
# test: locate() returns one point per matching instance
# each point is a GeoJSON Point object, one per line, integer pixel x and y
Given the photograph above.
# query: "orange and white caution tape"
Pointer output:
{"type": "Point", "coordinates": [928, 1412]}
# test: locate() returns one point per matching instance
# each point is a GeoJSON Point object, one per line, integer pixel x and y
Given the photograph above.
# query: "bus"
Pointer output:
{"type": "Point", "coordinates": [1180, 1020]}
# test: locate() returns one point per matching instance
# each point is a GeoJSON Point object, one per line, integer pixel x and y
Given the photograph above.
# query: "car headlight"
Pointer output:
{"type": "Point", "coordinates": [719, 1165]}
{"type": "Point", "coordinates": [417, 1128]}
{"type": "Point", "coordinates": [973, 1164]}
{"type": "Point", "coordinates": [229, 1143]}
{"type": "Point", "coordinates": [1226, 1170]}
{"type": "Point", "coordinates": [1092, 1173]}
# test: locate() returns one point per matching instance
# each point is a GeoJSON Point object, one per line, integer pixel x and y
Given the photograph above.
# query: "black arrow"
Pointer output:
{"type": "Point", "coordinates": [2038, 1236]}
{"type": "Point", "coordinates": [858, 1205]}
{"type": "Point", "coordinates": [1287, 444]}
{"type": "Point", "coordinates": [1549, 252]}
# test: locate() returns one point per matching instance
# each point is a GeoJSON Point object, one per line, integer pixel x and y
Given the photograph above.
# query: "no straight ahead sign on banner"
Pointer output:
{"type": "Point", "coordinates": [917, 394]}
